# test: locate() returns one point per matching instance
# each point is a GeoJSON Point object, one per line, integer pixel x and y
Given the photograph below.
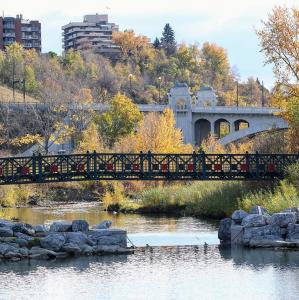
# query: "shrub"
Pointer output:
{"type": "Point", "coordinates": [284, 195]}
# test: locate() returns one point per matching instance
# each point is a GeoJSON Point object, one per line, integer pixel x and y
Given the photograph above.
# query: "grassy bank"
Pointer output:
{"type": "Point", "coordinates": [204, 199]}
{"type": "Point", "coordinates": [210, 199]}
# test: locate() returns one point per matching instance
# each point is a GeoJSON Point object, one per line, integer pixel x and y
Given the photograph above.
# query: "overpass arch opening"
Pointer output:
{"type": "Point", "coordinates": [202, 130]}
{"type": "Point", "coordinates": [221, 128]}
{"type": "Point", "coordinates": [241, 124]}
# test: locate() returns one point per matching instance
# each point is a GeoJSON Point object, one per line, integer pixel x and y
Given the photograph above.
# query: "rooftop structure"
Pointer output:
{"type": "Point", "coordinates": [94, 32]}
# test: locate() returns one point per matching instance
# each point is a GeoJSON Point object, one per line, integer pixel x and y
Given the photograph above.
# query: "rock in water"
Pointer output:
{"type": "Point", "coordinates": [41, 253]}
{"type": "Point", "coordinates": [254, 220]}
{"type": "Point", "coordinates": [80, 225]}
{"type": "Point", "coordinates": [283, 219]}
{"type": "Point", "coordinates": [293, 233]}
{"type": "Point", "coordinates": [5, 232]}
{"type": "Point", "coordinates": [78, 238]}
{"type": "Point", "coordinates": [224, 232]}
{"type": "Point", "coordinates": [103, 225]}
{"type": "Point", "coordinates": [40, 229]}
{"type": "Point", "coordinates": [269, 232]}
{"type": "Point", "coordinates": [53, 241]}
{"type": "Point", "coordinates": [23, 228]}
{"type": "Point", "coordinates": [239, 215]}
{"type": "Point", "coordinates": [61, 226]}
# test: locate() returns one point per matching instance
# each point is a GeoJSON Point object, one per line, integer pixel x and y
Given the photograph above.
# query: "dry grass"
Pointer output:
{"type": "Point", "coordinates": [6, 95]}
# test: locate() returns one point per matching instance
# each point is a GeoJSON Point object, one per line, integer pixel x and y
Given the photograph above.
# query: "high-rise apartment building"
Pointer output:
{"type": "Point", "coordinates": [94, 32]}
{"type": "Point", "coordinates": [25, 32]}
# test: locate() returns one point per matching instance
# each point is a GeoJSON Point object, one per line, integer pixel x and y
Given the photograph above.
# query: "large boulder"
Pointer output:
{"type": "Point", "coordinates": [53, 241]}
{"type": "Point", "coordinates": [4, 248]}
{"type": "Point", "coordinates": [239, 215]}
{"type": "Point", "coordinates": [78, 238]}
{"type": "Point", "coordinates": [80, 225]}
{"type": "Point", "coordinates": [109, 237]}
{"type": "Point", "coordinates": [6, 223]}
{"type": "Point", "coordinates": [258, 210]}
{"type": "Point", "coordinates": [292, 209]}
{"type": "Point", "coordinates": [293, 233]}
{"type": "Point", "coordinates": [61, 226]}
{"type": "Point", "coordinates": [23, 228]}
{"type": "Point", "coordinates": [237, 233]}
{"type": "Point", "coordinates": [283, 219]}
{"type": "Point", "coordinates": [72, 249]}
{"type": "Point", "coordinates": [41, 253]}
{"type": "Point", "coordinates": [224, 231]}
{"type": "Point", "coordinates": [40, 230]}
{"type": "Point", "coordinates": [6, 231]}
{"type": "Point", "coordinates": [103, 225]}
{"type": "Point", "coordinates": [253, 220]}
{"type": "Point", "coordinates": [23, 236]}
{"type": "Point", "coordinates": [265, 232]}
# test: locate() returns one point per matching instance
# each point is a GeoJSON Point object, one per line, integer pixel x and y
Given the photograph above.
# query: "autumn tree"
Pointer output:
{"type": "Point", "coordinates": [90, 139]}
{"type": "Point", "coordinates": [122, 119]}
{"type": "Point", "coordinates": [216, 70]}
{"type": "Point", "coordinates": [279, 41]}
{"type": "Point", "coordinates": [156, 133]}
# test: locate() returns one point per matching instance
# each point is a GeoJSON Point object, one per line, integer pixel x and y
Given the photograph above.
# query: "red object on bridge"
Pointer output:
{"type": "Point", "coordinates": [244, 167]}
{"type": "Point", "coordinates": [25, 170]}
{"type": "Point", "coordinates": [136, 167]}
{"type": "Point", "coordinates": [81, 167]}
{"type": "Point", "coordinates": [54, 169]}
{"type": "Point", "coordinates": [217, 167]}
{"type": "Point", "coordinates": [190, 167]}
{"type": "Point", "coordinates": [110, 167]}
{"type": "Point", "coordinates": [271, 168]}
{"type": "Point", "coordinates": [164, 167]}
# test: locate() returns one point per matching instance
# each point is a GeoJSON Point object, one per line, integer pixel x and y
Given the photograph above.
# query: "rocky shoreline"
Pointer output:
{"type": "Point", "coordinates": [259, 229]}
{"type": "Point", "coordinates": [62, 239]}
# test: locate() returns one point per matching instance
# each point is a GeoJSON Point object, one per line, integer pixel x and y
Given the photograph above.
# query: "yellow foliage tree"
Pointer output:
{"type": "Point", "coordinates": [157, 133]}
{"type": "Point", "coordinates": [90, 140]}
{"type": "Point", "coordinates": [279, 41]}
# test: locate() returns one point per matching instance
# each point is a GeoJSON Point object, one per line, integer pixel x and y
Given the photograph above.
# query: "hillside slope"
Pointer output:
{"type": "Point", "coordinates": [6, 95]}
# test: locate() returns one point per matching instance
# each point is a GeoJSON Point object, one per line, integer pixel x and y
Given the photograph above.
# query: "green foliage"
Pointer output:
{"type": "Point", "coordinates": [168, 40]}
{"type": "Point", "coordinates": [284, 195]}
{"type": "Point", "coordinates": [206, 199]}
{"type": "Point", "coordinates": [123, 118]}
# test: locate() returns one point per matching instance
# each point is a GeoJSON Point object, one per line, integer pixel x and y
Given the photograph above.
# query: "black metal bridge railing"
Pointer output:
{"type": "Point", "coordinates": [143, 166]}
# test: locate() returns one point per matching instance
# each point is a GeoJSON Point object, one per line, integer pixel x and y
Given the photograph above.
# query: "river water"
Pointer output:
{"type": "Point", "coordinates": [184, 262]}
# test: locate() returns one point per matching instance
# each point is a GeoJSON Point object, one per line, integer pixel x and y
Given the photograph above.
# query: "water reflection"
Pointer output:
{"type": "Point", "coordinates": [260, 258]}
{"type": "Point", "coordinates": [93, 214]}
{"type": "Point", "coordinates": [198, 272]}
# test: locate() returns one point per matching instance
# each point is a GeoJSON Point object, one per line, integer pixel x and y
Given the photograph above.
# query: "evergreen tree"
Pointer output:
{"type": "Point", "coordinates": [157, 43]}
{"type": "Point", "coordinates": [168, 40]}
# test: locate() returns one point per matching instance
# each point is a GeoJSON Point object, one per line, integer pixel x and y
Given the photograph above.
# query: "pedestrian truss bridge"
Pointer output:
{"type": "Point", "coordinates": [143, 166]}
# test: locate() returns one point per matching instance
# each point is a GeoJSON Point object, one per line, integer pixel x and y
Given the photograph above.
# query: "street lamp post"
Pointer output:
{"type": "Point", "coordinates": [130, 79]}
{"type": "Point", "coordinates": [237, 94]}
{"type": "Point", "coordinates": [159, 81]}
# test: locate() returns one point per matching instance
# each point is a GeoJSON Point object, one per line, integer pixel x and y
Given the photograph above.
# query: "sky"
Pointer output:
{"type": "Point", "coordinates": [228, 23]}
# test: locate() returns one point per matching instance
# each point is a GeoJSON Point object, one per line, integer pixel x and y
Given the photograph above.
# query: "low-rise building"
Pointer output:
{"type": "Point", "coordinates": [94, 32]}
{"type": "Point", "coordinates": [19, 30]}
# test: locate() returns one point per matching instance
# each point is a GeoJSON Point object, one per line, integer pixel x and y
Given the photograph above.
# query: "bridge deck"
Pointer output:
{"type": "Point", "coordinates": [143, 166]}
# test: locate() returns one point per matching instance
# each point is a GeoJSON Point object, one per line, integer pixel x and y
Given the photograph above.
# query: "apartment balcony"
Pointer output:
{"type": "Point", "coordinates": [9, 34]}
{"type": "Point", "coordinates": [8, 26]}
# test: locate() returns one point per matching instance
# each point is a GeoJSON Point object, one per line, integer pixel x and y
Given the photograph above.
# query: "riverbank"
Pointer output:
{"type": "Point", "coordinates": [213, 200]}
